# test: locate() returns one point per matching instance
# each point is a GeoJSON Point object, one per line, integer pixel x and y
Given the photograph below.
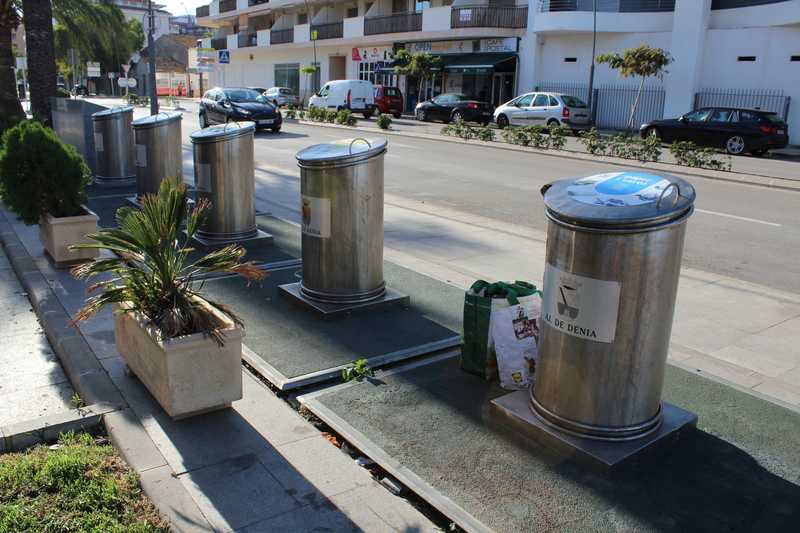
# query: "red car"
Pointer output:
{"type": "Point", "coordinates": [389, 100]}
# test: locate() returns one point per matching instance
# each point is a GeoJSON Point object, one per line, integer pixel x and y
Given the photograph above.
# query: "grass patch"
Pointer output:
{"type": "Point", "coordinates": [78, 486]}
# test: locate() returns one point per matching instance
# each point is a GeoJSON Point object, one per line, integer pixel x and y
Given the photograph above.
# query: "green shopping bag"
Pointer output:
{"type": "Point", "coordinates": [477, 353]}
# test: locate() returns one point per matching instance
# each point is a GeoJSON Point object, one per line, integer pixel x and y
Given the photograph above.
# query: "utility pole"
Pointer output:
{"type": "Point", "coordinates": [594, 52]}
{"type": "Point", "coordinates": [151, 47]}
{"type": "Point", "coordinates": [312, 34]}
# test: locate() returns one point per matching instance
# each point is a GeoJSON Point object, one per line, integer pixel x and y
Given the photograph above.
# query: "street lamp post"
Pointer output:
{"type": "Point", "coordinates": [151, 47]}
{"type": "Point", "coordinates": [594, 51]}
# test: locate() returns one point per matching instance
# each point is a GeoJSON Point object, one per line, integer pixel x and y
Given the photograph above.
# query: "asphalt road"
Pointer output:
{"type": "Point", "coordinates": [746, 232]}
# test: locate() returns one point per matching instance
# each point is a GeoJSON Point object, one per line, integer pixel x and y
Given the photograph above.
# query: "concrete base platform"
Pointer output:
{"type": "Point", "coordinates": [325, 310]}
{"type": "Point", "coordinates": [603, 456]}
{"type": "Point", "coordinates": [261, 238]}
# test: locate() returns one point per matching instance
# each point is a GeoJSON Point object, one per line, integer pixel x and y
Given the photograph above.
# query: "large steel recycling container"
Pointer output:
{"type": "Point", "coordinates": [158, 153]}
{"type": "Point", "coordinates": [223, 174]}
{"type": "Point", "coordinates": [341, 184]}
{"type": "Point", "coordinates": [113, 144]}
{"type": "Point", "coordinates": [614, 246]}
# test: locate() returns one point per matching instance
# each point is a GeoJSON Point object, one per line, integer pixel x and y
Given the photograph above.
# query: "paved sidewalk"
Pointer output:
{"type": "Point", "coordinates": [32, 383]}
{"type": "Point", "coordinates": [258, 466]}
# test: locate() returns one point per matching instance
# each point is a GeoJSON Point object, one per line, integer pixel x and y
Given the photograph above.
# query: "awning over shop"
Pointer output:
{"type": "Point", "coordinates": [476, 63]}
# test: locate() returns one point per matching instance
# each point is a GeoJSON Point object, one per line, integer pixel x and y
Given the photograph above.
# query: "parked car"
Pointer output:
{"type": "Point", "coordinates": [544, 109]}
{"type": "Point", "coordinates": [737, 130]}
{"type": "Point", "coordinates": [259, 90]}
{"type": "Point", "coordinates": [389, 100]}
{"type": "Point", "coordinates": [454, 107]}
{"type": "Point", "coordinates": [222, 105]}
{"type": "Point", "coordinates": [355, 95]}
{"type": "Point", "coordinates": [80, 90]}
{"type": "Point", "coordinates": [280, 96]}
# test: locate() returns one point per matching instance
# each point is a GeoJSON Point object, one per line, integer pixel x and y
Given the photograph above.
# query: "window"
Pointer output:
{"type": "Point", "coordinates": [390, 91]}
{"type": "Point", "coordinates": [524, 101]}
{"type": "Point", "coordinates": [367, 71]}
{"type": "Point", "coordinates": [571, 101]}
{"type": "Point", "coordinates": [721, 115]}
{"type": "Point", "coordinates": [288, 75]}
{"type": "Point", "coordinates": [746, 58]}
{"type": "Point", "coordinates": [541, 100]}
{"type": "Point", "coordinates": [302, 18]}
{"type": "Point", "coordinates": [553, 101]}
{"type": "Point", "coordinates": [570, 60]}
{"type": "Point", "coordinates": [352, 12]}
{"type": "Point", "coordinates": [325, 90]}
{"type": "Point", "coordinates": [419, 5]}
{"type": "Point", "coordinates": [697, 116]}
{"type": "Point", "coordinates": [399, 6]}
{"type": "Point", "coordinates": [794, 58]}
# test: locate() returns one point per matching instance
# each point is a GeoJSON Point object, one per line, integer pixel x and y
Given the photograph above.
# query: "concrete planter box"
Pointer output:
{"type": "Point", "coordinates": [57, 234]}
{"type": "Point", "coordinates": [187, 375]}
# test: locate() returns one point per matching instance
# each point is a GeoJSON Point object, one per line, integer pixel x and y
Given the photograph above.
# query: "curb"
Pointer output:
{"type": "Point", "coordinates": [731, 177]}
{"type": "Point", "coordinates": [95, 386]}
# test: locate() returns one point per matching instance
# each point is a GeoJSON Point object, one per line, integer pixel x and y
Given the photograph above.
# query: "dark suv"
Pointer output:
{"type": "Point", "coordinates": [736, 130]}
{"type": "Point", "coordinates": [222, 105]}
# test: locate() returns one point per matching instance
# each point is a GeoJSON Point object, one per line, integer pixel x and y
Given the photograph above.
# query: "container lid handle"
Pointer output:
{"type": "Point", "coordinates": [664, 192]}
{"type": "Point", "coordinates": [350, 148]}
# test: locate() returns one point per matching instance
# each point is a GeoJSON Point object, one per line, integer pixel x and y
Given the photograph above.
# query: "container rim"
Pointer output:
{"type": "Point", "coordinates": [222, 132]}
{"type": "Point", "coordinates": [621, 228]}
{"type": "Point", "coordinates": [162, 117]}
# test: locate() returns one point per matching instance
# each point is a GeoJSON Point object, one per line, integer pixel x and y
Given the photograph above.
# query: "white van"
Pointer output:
{"type": "Point", "coordinates": [355, 95]}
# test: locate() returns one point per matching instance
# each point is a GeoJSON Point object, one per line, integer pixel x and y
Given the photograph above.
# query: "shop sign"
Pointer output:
{"type": "Point", "coordinates": [373, 53]}
{"type": "Point", "coordinates": [92, 69]}
{"type": "Point", "coordinates": [440, 47]}
{"type": "Point", "coordinates": [503, 44]}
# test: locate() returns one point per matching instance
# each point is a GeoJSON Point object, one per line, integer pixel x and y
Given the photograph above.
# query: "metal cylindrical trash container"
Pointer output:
{"type": "Point", "coordinates": [113, 144]}
{"type": "Point", "coordinates": [614, 246]}
{"type": "Point", "coordinates": [158, 152]}
{"type": "Point", "coordinates": [223, 174]}
{"type": "Point", "coordinates": [341, 184]}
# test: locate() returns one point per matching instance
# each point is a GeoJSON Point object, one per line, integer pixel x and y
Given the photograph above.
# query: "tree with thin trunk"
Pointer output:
{"type": "Point", "coordinates": [421, 65]}
{"type": "Point", "coordinates": [642, 61]}
{"type": "Point", "coordinates": [42, 70]}
{"type": "Point", "coordinates": [10, 108]}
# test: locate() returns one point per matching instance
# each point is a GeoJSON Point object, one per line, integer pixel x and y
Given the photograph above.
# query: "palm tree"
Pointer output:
{"type": "Point", "coordinates": [10, 108]}
{"type": "Point", "coordinates": [42, 71]}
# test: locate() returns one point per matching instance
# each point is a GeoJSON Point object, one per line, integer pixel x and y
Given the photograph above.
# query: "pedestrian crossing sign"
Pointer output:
{"type": "Point", "coordinates": [224, 56]}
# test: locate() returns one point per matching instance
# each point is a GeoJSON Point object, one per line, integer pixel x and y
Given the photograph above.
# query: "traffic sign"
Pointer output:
{"type": "Point", "coordinates": [224, 56]}
{"type": "Point", "coordinates": [127, 82]}
{"type": "Point", "coordinates": [92, 69]}
{"type": "Point", "coordinates": [125, 68]}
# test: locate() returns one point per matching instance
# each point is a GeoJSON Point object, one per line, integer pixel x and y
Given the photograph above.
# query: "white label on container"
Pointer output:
{"type": "Point", "coordinates": [583, 307]}
{"type": "Point", "coordinates": [316, 216]}
{"type": "Point", "coordinates": [98, 142]}
{"type": "Point", "coordinates": [202, 177]}
{"type": "Point", "coordinates": [141, 155]}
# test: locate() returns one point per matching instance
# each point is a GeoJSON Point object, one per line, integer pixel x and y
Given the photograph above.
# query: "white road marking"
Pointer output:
{"type": "Point", "coordinates": [746, 219]}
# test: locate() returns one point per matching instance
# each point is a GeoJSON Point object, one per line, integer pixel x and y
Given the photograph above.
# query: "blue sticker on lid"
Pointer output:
{"type": "Point", "coordinates": [618, 189]}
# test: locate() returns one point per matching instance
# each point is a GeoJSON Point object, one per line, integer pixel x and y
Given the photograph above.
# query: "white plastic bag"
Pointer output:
{"type": "Point", "coordinates": [515, 334]}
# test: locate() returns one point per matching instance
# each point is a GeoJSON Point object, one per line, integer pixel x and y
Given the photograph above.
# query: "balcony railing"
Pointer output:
{"type": "Point", "coordinates": [202, 11]}
{"type": "Point", "coordinates": [331, 30]}
{"type": "Point", "coordinates": [281, 36]}
{"type": "Point", "coordinates": [489, 17]}
{"type": "Point", "coordinates": [220, 43]}
{"type": "Point", "coordinates": [399, 23]}
{"type": "Point", "coordinates": [730, 4]}
{"type": "Point", "coordinates": [252, 3]}
{"type": "Point", "coordinates": [614, 6]}
{"type": "Point", "coordinates": [247, 39]}
{"type": "Point", "coordinates": [227, 5]}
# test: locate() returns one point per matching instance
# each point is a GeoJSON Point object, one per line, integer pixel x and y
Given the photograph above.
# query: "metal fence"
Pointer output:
{"type": "Point", "coordinates": [227, 5]}
{"type": "Point", "coordinates": [397, 23]}
{"type": "Point", "coordinates": [611, 105]}
{"type": "Point", "coordinates": [281, 36]}
{"type": "Point", "coordinates": [766, 99]}
{"type": "Point", "coordinates": [202, 11]}
{"type": "Point", "coordinates": [331, 30]}
{"type": "Point", "coordinates": [613, 6]}
{"type": "Point", "coordinates": [730, 4]}
{"type": "Point", "coordinates": [489, 17]}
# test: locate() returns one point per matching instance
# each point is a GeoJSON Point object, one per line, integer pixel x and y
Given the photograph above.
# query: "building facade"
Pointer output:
{"type": "Point", "coordinates": [137, 9]}
{"type": "Point", "coordinates": [726, 52]}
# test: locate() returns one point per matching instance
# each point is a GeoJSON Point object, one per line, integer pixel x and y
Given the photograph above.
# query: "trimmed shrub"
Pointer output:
{"type": "Point", "coordinates": [558, 136]}
{"type": "Point", "coordinates": [40, 174]}
{"type": "Point", "coordinates": [593, 142]}
{"type": "Point", "coordinates": [486, 134]}
{"type": "Point", "coordinates": [345, 117]}
{"type": "Point", "coordinates": [329, 115]}
{"type": "Point", "coordinates": [688, 154]}
{"type": "Point", "coordinates": [384, 121]}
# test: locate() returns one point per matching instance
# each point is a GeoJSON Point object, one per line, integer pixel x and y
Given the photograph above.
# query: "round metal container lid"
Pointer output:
{"type": "Point", "coordinates": [222, 132]}
{"type": "Point", "coordinates": [620, 199]}
{"type": "Point", "coordinates": [341, 152]}
{"type": "Point", "coordinates": [114, 112]}
{"type": "Point", "coordinates": [157, 119]}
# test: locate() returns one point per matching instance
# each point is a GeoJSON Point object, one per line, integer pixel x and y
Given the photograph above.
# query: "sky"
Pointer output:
{"type": "Point", "coordinates": [176, 6]}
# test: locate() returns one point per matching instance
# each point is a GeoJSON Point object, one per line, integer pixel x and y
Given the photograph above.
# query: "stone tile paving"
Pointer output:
{"type": "Point", "coordinates": [32, 383]}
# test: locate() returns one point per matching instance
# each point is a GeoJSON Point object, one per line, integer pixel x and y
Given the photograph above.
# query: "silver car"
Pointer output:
{"type": "Point", "coordinates": [281, 96]}
{"type": "Point", "coordinates": [544, 109]}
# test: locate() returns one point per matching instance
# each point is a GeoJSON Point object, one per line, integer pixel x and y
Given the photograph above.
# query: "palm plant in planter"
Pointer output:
{"type": "Point", "coordinates": [43, 180]}
{"type": "Point", "coordinates": [184, 347]}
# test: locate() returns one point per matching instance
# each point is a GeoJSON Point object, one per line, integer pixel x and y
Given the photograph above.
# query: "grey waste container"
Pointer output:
{"type": "Point", "coordinates": [223, 175]}
{"type": "Point", "coordinates": [341, 184]}
{"type": "Point", "coordinates": [113, 144]}
{"type": "Point", "coordinates": [614, 246]}
{"type": "Point", "coordinates": [158, 152]}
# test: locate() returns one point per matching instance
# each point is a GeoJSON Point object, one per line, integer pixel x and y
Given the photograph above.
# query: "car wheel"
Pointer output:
{"type": "Point", "coordinates": [735, 145]}
{"type": "Point", "coordinates": [760, 152]}
{"type": "Point", "coordinates": [552, 123]}
{"type": "Point", "coordinates": [457, 117]}
{"type": "Point", "coordinates": [421, 115]}
{"type": "Point", "coordinates": [276, 130]}
{"type": "Point", "coordinates": [368, 114]}
{"type": "Point", "coordinates": [653, 132]}
{"type": "Point", "coordinates": [502, 122]}
{"type": "Point", "coordinates": [397, 115]}
{"type": "Point", "coordinates": [203, 121]}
